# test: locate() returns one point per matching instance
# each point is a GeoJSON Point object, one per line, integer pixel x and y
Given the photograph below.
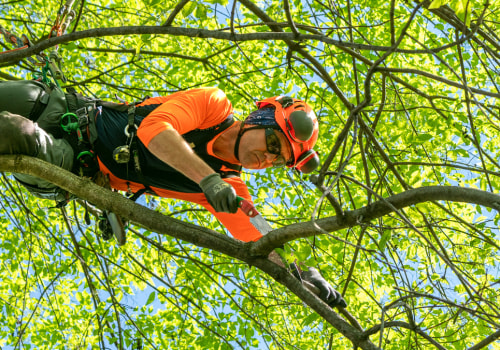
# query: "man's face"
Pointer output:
{"type": "Point", "coordinates": [254, 152]}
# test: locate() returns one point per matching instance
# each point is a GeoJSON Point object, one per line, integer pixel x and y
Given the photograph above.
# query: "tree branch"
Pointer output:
{"type": "Point", "coordinates": [187, 32]}
{"type": "Point", "coordinates": [157, 222]}
{"type": "Point", "coordinates": [375, 210]}
{"type": "Point", "coordinates": [406, 325]}
{"type": "Point", "coordinates": [438, 78]}
{"type": "Point", "coordinates": [178, 8]}
{"type": "Point", "coordinates": [486, 341]}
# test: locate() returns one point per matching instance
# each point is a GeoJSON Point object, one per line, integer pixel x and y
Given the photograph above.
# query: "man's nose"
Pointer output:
{"type": "Point", "coordinates": [270, 157]}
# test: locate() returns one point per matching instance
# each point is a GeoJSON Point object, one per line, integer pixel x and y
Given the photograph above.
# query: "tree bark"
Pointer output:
{"type": "Point", "coordinates": [85, 189]}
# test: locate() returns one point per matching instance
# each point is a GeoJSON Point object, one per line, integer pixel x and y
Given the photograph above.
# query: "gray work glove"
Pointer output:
{"type": "Point", "coordinates": [326, 291]}
{"type": "Point", "coordinates": [219, 193]}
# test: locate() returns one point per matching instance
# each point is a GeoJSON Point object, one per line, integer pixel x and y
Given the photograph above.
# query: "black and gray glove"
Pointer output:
{"type": "Point", "coordinates": [219, 193]}
{"type": "Point", "coordinates": [326, 291]}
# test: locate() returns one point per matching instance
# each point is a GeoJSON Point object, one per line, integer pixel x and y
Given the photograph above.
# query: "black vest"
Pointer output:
{"type": "Point", "coordinates": [154, 172]}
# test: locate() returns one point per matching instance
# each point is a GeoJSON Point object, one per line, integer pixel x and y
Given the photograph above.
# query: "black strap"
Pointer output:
{"type": "Point", "coordinates": [134, 150]}
{"type": "Point", "coordinates": [72, 101]}
{"type": "Point", "coordinates": [139, 193]}
{"type": "Point", "coordinates": [40, 105]}
{"type": "Point", "coordinates": [237, 143]}
{"type": "Point", "coordinates": [242, 131]}
{"type": "Point", "coordinates": [131, 118]}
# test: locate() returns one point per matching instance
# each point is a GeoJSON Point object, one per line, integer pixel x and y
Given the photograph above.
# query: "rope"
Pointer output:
{"type": "Point", "coordinates": [52, 63]}
{"type": "Point", "coordinates": [19, 42]}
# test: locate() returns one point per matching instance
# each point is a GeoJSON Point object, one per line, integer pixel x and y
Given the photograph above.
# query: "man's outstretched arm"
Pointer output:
{"type": "Point", "coordinates": [170, 147]}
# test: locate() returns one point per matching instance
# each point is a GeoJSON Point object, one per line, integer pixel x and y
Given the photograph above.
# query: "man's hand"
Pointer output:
{"type": "Point", "coordinates": [326, 291]}
{"type": "Point", "coordinates": [219, 193]}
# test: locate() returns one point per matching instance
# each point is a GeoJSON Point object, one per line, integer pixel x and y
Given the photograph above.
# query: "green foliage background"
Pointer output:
{"type": "Point", "coordinates": [416, 87]}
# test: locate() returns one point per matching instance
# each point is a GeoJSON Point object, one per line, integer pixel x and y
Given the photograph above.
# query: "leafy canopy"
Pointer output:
{"type": "Point", "coordinates": [407, 97]}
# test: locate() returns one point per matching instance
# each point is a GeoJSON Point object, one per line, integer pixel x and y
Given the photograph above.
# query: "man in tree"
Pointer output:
{"type": "Point", "coordinates": [186, 145]}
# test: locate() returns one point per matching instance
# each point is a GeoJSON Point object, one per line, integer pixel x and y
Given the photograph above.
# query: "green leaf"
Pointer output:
{"type": "Point", "coordinates": [310, 319]}
{"type": "Point", "coordinates": [188, 8]}
{"type": "Point", "coordinates": [151, 298]}
{"type": "Point", "coordinates": [153, 3]}
{"type": "Point", "coordinates": [386, 236]}
{"type": "Point", "coordinates": [138, 45]}
{"type": "Point", "coordinates": [424, 137]}
{"type": "Point", "coordinates": [220, 2]}
{"type": "Point", "coordinates": [437, 4]}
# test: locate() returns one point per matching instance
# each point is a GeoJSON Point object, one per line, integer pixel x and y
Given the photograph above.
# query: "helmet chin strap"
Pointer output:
{"type": "Point", "coordinates": [240, 134]}
{"type": "Point", "coordinates": [237, 144]}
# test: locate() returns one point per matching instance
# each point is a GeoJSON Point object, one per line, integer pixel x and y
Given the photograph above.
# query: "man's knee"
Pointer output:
{"type": "Point", "coordinates": [17, 135]}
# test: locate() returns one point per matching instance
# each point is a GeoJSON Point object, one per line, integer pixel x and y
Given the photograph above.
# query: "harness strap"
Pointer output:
{"type": "Point", "coordinates": [82, 109]}
{"type": "Point", "coordinates": [134, 148]}
{"type": "Point", "coordinates": [40, 105]}
{"type": "Point", "coordinates": [131, 119]}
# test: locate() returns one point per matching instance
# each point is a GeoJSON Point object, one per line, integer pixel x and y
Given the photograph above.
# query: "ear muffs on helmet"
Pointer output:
{"type": "Point", "coordinates": [307, 162]}
{"type": "Point", "coordinates": [299, 126]}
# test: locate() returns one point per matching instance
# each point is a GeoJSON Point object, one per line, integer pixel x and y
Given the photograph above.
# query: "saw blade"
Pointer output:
{"type": "Point", "coordinates": [261, 224]}
{"type": "Point", "coordinates": [255, 218]}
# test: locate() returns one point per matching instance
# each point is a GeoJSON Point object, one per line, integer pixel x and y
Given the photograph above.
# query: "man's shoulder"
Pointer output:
{"type": "Point", "coordinates": [212, 102]}
{"type": "Point", "coordinates": [212, 94]}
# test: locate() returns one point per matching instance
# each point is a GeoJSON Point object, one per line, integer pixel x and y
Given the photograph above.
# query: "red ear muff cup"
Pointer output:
{"type": "Point", "coordinates": [307, 162]}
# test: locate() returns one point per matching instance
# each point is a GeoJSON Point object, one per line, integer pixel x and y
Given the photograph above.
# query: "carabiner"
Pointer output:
{"type": "Point", "coordinates": [67, 124]}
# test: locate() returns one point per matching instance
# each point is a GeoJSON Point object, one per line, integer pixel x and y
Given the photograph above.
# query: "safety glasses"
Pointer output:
{"type": "Point", "coordinates": [274, 147]}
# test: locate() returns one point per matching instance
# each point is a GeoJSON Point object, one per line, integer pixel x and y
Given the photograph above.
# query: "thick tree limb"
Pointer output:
{"type": "Point", "coordinates": [188, 32]}
{"type": "Point", "coordinates": [102, 198]}
{"type": "Point", "coordinates": [206, 238]}
{"type": "Point", "coordinates": [202, 237]}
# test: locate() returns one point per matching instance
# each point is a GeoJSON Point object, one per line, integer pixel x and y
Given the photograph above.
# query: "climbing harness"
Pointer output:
{"type": "Point", "coordinates": [76, 124]}
{"type": "Point", "coordinates": [79, 123]}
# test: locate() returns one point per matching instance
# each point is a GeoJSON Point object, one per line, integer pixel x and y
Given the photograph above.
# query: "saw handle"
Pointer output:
{"type": "Point", "coordinates": [247, 207]}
